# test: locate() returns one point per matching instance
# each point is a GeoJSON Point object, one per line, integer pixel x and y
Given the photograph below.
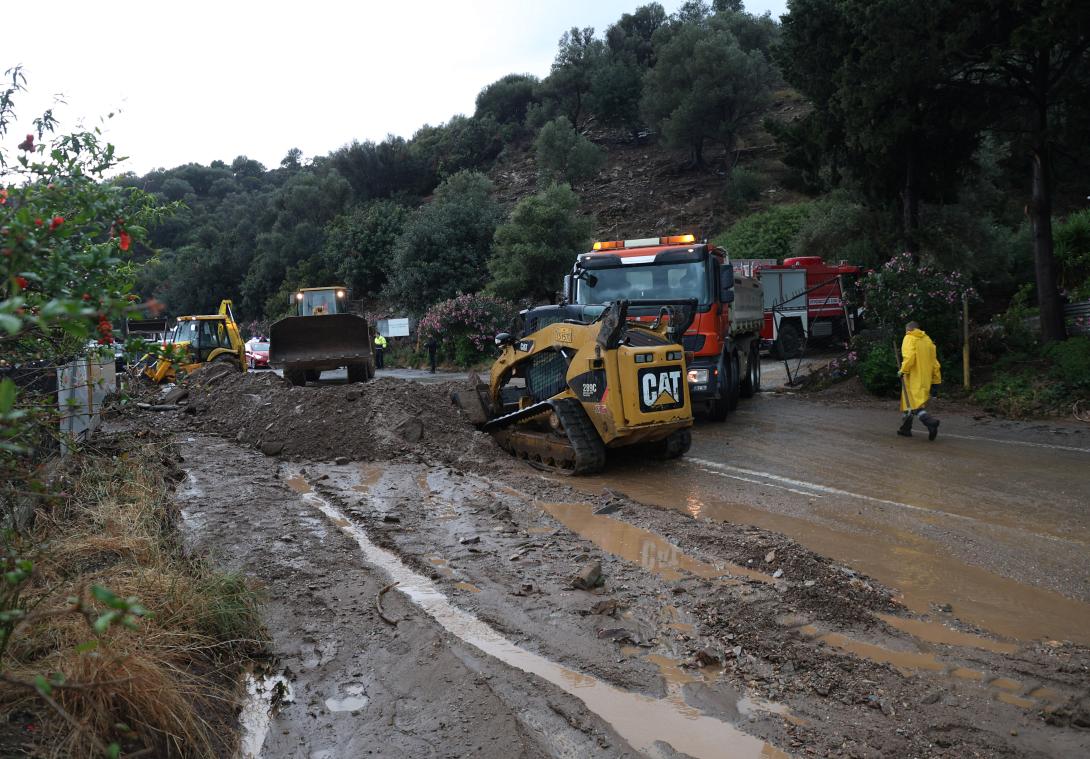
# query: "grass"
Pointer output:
{"type": "Point", "coordinates": [166, 687]}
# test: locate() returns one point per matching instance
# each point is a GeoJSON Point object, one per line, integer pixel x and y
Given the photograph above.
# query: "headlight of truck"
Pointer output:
{"type": "Point", "coordinates": [698, 376]}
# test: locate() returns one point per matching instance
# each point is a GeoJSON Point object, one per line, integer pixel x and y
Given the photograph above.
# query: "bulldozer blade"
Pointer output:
{"type": "Point", "coordinates": [471, 401]}
{"type": "Point", "coordinates": [321, 342]}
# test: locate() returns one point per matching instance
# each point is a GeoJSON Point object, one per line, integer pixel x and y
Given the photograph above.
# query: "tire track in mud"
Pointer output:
{"type": "Point", "coordinates": [641, 720]}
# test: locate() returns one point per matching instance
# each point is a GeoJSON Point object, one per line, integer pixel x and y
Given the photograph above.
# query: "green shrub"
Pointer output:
{"type": "Point", "coordinates": [1072, 237]}
{"type": "Point", "coordinates": [565, 155]}
{"type": "Point", "coordinates": [744, 186]}
{"type": "Point", "coordinates": [1021, 394]}
{"type": "Point", "coordinates": [768, 234]}
{"type": "Point", "coordinates": [878, 369]}
{"type": "Point", "coordinates": [1071, 362]}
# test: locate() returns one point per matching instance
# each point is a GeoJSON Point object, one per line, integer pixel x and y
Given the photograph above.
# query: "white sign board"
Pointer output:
{"type": "Point", "coordinates": [393, 327]}
{"type": "Point", "coordinates": [82, 387]}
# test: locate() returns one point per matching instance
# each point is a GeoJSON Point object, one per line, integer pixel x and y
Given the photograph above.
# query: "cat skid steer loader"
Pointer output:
{"type": "Point", "coordinates": [584, 379]}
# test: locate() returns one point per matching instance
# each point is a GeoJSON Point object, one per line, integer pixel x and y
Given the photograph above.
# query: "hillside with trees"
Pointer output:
{"type": "Point", "coordinates": [851, 130]}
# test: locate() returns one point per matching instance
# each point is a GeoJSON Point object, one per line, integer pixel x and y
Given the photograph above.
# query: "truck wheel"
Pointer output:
{"type": "Point", "coordinates": [357, 373]}
{"type": "Point", "coordinates": [789, 342]}
{"type": "Point", "coordinates": [734, 389]}
{"type": "Point", "coordinates": [295, 377]}
{"type": "Point", "coordinates": [752, 383]}
{"type": "Point", "coordinates": [720, 407]}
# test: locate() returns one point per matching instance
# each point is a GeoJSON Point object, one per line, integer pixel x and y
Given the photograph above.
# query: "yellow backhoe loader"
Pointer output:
{"type": "Point", "coordinates": [584, 379]}
{"type": "Point", "coordinates": [198, 340]}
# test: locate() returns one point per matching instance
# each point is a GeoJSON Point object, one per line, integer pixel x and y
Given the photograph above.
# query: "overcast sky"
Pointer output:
{"type": "Point", "coordinates": [197, 81]}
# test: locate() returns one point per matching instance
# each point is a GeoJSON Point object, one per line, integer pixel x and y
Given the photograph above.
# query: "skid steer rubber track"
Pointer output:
{"type": "Point", "coordinates": [576, 450]}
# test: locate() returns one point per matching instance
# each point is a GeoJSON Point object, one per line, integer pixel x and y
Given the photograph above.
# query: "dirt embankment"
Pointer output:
{"type": "Point", "coordinates": [808, 655]}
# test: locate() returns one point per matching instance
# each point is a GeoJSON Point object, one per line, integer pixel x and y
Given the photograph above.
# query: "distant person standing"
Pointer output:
{"type": "Point", "coordinates": [380, 348]}
{"type": "Point", "coordinates": [919, 371]}
{"type": "Point", "coordinates": [433, 347]}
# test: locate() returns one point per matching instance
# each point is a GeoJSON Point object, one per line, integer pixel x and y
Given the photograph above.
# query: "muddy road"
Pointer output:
{"type": "Point", "coordinates": [803, 583]}
{"type": "Point", "coordinates": [992, 519]}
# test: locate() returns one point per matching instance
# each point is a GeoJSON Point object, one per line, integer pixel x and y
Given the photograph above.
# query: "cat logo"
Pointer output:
{"type": "Point", "coordinates": [661, 388]}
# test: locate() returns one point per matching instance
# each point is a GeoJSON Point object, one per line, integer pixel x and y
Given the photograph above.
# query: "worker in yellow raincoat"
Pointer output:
{"type": "Point", "coordinates": [919, 371]}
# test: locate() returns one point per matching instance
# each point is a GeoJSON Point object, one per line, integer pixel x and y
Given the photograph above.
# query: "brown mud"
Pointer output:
{"type": "Point", "coordinates": [707, 637]}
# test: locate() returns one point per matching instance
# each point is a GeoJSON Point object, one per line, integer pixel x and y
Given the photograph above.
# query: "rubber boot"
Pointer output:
{"type": "Point", "coordinates": [906, 426]}
{"type": "Point", "coordinates": [931, 423]}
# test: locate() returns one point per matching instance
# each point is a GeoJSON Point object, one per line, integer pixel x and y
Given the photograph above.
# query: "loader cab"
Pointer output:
{"type": "Point", "coordinates": [203, 336]}
{"type": "Point", "coordinates": [319, 301]}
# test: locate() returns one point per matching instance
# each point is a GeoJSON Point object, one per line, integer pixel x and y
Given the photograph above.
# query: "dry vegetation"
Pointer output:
{"type": "Point", "coordinates": [160, 684]}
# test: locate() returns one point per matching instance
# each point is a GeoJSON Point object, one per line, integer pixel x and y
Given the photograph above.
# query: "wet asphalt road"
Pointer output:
{"type": "Point", "coordinates": [992, 519]}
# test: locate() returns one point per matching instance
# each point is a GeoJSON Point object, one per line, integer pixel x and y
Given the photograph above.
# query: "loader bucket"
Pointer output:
{"type": "Point", "coordinates": [320, 342]}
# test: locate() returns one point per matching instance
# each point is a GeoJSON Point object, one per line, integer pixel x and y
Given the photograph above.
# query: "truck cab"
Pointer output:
{"type": "Point", "coordinates": [724, 338]}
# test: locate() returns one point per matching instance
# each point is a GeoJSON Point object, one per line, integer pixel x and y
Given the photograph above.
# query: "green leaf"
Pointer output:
{"type": "Point", "coordinates": [102, 624]}
{"type": "Point", "coordinates": [113, 751]}
{"type": "Point", "coordinates": [87, 646]}
{"type": "Point", "coordinates": [42, 685]}
{"type": "Point", "coordinates": [9, 323]}
{"type": "Point", "coordinates": [7, 395]}
{"type": "Point", "coordinates": [108, 597]}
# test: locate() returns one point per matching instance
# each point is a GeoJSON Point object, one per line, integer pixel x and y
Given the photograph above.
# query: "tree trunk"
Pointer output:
{"type": "Point", "coordinates": [1048, 294]}
{"type": "Point", "coordinates": [910, 206]}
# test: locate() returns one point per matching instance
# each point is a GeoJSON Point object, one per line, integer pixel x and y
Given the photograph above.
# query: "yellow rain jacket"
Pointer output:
{"type": "Point", "coordinates": [920, 366]}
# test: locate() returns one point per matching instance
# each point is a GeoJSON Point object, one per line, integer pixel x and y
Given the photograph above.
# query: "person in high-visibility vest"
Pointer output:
{"type": "Point", "coordinates": [380, 346]}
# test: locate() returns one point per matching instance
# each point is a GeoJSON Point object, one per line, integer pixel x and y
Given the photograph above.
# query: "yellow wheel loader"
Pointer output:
{"type": "Point", "coordinates": [584, 379]}
{"type": "Point", "coordinates": [322, 335]}
{"type": "Point", "coordinates": [198, 340]}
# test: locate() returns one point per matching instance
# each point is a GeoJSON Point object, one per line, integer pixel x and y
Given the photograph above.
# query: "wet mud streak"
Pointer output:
{"type": "Point", "coordinates": [641, 720]}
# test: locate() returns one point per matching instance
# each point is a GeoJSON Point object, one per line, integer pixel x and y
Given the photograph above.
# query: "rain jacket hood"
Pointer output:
{"type": "Point", "coordinates": [921, 368]}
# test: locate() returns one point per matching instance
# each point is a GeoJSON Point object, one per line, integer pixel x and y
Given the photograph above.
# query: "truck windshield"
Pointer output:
{"type": "Point", "coordinates": [654, 281]}
{"type": "Point", "coordinates": [319, 302]}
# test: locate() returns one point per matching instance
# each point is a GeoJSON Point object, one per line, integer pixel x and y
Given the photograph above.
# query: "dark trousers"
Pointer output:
{"type": "Point", "coordinates": [378, 358]}
{"type": "Point", "coordinates": [431, 358]}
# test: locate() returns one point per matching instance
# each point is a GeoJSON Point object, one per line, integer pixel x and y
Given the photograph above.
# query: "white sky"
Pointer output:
{"type": "Point", "coordinates": [196, 81]}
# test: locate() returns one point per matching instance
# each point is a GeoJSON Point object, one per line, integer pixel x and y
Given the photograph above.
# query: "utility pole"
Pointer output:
{"type": "Point", "coordinates": [965, 340]}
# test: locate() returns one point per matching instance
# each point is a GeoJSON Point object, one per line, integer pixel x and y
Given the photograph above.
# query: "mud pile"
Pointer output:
{"type": "Point", "coordinates": [376, 421]}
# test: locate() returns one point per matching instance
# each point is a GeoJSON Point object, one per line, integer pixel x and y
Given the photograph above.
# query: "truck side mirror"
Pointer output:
{"type": "Point", "coordinates": [728, 296]}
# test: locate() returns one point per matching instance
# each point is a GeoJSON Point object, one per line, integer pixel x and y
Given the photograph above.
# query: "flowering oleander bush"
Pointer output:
{"type": "Point", "coordinates": [902, 291]}
{"type": "Point", "coordinates": [466, 326]}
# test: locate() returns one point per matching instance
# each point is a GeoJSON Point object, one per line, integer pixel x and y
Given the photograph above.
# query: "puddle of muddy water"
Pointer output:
{"type": "Point", "coordinates": [922, 571]}
{"type": "Point", "coordinates": [639, 719]}
{"type": "Point", "coordinates": [369, 475]}
{"type": "Point", "coordinates": [643, 547]}
{"type": "Point", "coordinates": [264, 693]}
{"type": "Point", "coordinates": [934, 632]}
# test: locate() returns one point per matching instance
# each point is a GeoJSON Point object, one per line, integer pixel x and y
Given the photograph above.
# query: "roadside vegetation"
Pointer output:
{"type": "Point", "coordinates": [112, 641]}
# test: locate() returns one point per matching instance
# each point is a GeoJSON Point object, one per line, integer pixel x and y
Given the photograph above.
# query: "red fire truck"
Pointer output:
{"type": "Point", "coordinates": [724, 338]}
{"type": "Point", "coordinates": [804, 300]}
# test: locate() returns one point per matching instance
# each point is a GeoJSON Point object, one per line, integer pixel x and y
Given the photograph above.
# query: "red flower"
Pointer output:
{"type": "Point", "coordinates": [28, 143]}
{"type": "Point", "coordinates": [126, 241]}
{"type": "Point", "coordinates": [57, 221]}
{"type": "Point", "coordinates": [21, 281]}
{"type": "Point", "coordinates": [38, 222]}
{"type": "Point", "coordinates": [3, 196]}
{"type": "Point", "coordinates": [87, 296]}
{"type": "Point", "coordinates": [105, 340]}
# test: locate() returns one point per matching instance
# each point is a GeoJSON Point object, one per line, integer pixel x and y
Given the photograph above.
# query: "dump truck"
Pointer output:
{"type": "Point", "coordinates": [725, 335]}
{"type": "Point", "coordinates": [195, 341]}
{"type": "Point", "coordinates": [321, 336]}
{"type": "Point", "coordinates": [578, 381]}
